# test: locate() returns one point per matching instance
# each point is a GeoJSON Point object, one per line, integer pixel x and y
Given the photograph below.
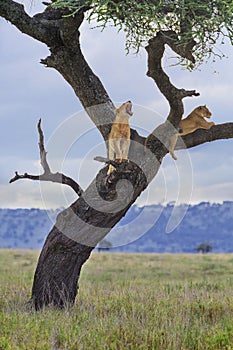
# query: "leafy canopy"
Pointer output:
{"type": "Point", "coordinates": [206, 21]}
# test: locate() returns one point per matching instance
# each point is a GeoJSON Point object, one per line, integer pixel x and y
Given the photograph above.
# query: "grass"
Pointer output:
{"type": "Point", "coordinates": [125, 301]}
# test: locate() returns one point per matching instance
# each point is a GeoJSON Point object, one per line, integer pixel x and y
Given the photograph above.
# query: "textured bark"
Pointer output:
{"type": "Point", "coordinates": [216, 132]}
{"type": "Point", "coordinates": [42, 30]}
{"type": "Point", "coordinates": [77, 231]}
{"type": "Point", "coordinates": [80, 227]}
{"type": "Point", "coordinates": [155, 50]}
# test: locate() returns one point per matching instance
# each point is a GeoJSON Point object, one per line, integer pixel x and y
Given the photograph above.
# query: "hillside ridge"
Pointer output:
{"type": "Point", "coordinates": [153, 228]}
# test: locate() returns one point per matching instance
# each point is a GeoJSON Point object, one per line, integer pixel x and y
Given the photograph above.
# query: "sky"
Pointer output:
{"type": "Point", "coordinates": [30, 91]}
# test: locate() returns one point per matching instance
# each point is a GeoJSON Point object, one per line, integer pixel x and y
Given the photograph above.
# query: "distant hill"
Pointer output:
{"type": "Point", "coordinates": [25, 228]}
{"type": "Point", "coordinates": [204, 222]}
{"type": "Point", "coordinates": [146, 228]}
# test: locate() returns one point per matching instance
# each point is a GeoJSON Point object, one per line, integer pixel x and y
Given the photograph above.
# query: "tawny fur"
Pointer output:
{"type": "Point", "coordinates": [195, 120]}
{"type": "Point", "coordinates": [119, 137]}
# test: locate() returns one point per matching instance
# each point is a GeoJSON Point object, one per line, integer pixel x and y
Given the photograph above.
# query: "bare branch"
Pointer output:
{"type": "Point", "coordinates": [62, 36]}
{"type": "Point", "coordinates": [42, 30]}
{"type": "Point", "coordinates": [200, 136]}
{"type": "Point", "coordinates": [24, 176]}
{"type": "Point", "coordinates": [188, 93]}
{"type": "Point", "coordinates": [53, 177]}
{"type": "Point", "coordinates": [155, 50]}
{"type": "Point", "coordinates": [216, 132]}
{"type": "Point", "coordinates": [101, 159]}
{"type": "Point", "coordinates": [48, 175]}
{"type": "Point", "coordinates": [43, 153]}
{"type": "Point", "coordinates": [110, 161]}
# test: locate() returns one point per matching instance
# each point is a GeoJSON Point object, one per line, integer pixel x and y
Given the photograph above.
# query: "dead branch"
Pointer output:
{"type": "Point", "coordinates": [101, 159]}
{"type": "Point", "coordinates": [48, 175]}
{"type": "Point", "coordinates": [118, 165]}
{"type": "Point", "coordinates": [107, 161]}
{"type": "Point", "coordinates": [43, 153]}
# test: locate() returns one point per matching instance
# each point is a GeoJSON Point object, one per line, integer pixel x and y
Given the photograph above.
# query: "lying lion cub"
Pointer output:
{"type": "Point", "coordinates": [192, 122]}
{"type": "Point", "coordinates": [119, 137]}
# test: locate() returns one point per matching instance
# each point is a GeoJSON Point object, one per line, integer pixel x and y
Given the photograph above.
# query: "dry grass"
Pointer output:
{"type": "Point", "coordinates": [126, 301]}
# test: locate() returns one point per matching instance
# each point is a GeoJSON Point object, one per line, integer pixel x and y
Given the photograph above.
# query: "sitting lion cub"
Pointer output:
{"type": "Point", "coordinates": [192, 122]}
{"type": "Point", "coordinates": [119, 137]}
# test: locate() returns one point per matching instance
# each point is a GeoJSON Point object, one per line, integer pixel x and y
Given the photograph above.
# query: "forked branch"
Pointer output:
{"type": "Point", "coordinates": [43, 30]}
{"type": "Point", "coordinates": [48, 175]}
{"type": "Point", "coordinates": [155, 50]}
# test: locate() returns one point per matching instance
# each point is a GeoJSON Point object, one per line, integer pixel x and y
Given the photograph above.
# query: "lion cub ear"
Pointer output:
{"type": "Point", "coordinates": [116, 110]}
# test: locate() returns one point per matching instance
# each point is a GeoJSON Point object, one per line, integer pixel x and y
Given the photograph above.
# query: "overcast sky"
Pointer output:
{"type": "Point", "coordinates": [30, 91]}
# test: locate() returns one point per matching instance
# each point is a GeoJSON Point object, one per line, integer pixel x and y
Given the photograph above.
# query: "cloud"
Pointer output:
{"type": "Point", "coordinates": [215, 193]}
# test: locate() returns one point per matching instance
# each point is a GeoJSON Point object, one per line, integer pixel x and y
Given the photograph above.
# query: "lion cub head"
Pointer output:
{"type": "Point", "coordinates": [125, 109]}
{"type": "Point", "coordinates": [202, 111]}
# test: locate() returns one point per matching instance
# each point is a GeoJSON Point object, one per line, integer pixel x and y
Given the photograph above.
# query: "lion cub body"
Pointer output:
{"type": "Point", "coordinates": [119, 137]}
{"type": "Point", "coordinates": [195, 120]}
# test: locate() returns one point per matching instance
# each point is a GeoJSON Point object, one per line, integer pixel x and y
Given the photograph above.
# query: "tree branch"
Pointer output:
{"type": "Point", "coordinates": [43, 153]}
{"type": "Point", "coordinates": [182, 49]}
{"type": "Point", "coordinates": [216, 132]}
{"type": "Point", "coordinates": [41, 29]}
{"type": "Point", "coordinates": [123, 166]}
{"type": "Point", "coordinates": [155, 50]}
{"type": "Point", "coordinates": [48, 175]}
{"type": "Point", "coordinates": [200, 136]}
{"type": "Point", "coordinates": [62, 35]}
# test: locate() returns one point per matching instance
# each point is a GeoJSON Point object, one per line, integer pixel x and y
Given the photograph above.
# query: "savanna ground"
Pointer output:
{"type": "Point", "coordinates": [126, 301]}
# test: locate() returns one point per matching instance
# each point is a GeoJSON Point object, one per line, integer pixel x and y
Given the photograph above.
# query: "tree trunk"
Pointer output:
{"type": "Point", "coordinates": [78, 230]}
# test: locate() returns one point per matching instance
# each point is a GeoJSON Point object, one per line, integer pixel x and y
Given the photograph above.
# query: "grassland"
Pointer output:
{"type": "Point", "coordinates": [125, 301]}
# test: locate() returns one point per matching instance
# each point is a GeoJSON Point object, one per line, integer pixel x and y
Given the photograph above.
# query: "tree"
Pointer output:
{"type": "Point", "coordinates": [104, 245]}
{"type": "Point", "coordinates": [204, 248]}
{"type": "Point", "coordinates": [189, 28]}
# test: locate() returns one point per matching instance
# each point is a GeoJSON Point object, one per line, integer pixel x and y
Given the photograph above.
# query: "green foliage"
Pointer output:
{"type": "Point", "coordinates": [148, 301]}
{"type": "Point", "coordinates": [206, 21]}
